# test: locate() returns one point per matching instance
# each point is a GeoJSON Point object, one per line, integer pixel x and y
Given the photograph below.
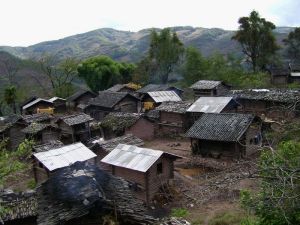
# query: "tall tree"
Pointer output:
{"type": "Point", "coordinates": [165, 50]}
{"type": "Point", "coordinates": [257, 40]}
{"type": "Point", "coordinates": [10, 66]}
{"type": "Point", "coordinates": [293, 44]}
{"type": "Point", "coordinates": [10, 97]}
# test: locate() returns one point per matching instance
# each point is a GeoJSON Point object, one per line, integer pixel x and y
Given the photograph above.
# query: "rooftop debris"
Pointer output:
{"type": "Point", "coordinates": [175, 107]}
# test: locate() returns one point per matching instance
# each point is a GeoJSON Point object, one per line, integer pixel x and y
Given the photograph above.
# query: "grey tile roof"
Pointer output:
{"type": "Point", "coordinates": [78, 94]}
{"type": "Point", "coordinates": [118, 121]}
{"type": "Point", "coordinates": [175, 107]}
{"type": "Point", "coordinates": [34, 128]}
{"type": "Point", "coordinates": [116, 87]}
{"type": "Point", "coordinates": [220, 127]}
{"type": "Point", "coordinates": [75, 119]}
{"type": "Point", "coordinates": [109, 99]}
{"type": "Point", "coordinates": [38, 117]}
{"type": "Point", "coordinates": [152, 114]}
{"type": "Point", "coordinates": [153, 87]}
{"type": "Point", "coordinates": [206, 84]}
{"type": "Point", "coordinates": [210, 104]}
{"type": "Point", "coordinates": [19, 205]}
{"type": "Point", "coordinates": [276, 95]}
{"type": "Point", "coordinates": [48, 146]}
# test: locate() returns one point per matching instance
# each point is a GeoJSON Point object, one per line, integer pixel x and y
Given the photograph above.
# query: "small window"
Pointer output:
{"type": "Point", "coordinates": [159, 168]}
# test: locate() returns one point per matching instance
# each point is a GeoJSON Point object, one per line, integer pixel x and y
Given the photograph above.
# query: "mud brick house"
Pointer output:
{"type": "Point", "coordinates": [206, 88]}
{"type": "Point", "coordinates": [159, 87]}
{"type": "Point", "coordinates": [41, 132]}
{"type": "Point", "coordinates": [47, 162]}
{"type": "Point", "coordinates": [102, 147]}
{"type": "Point", "coordinates": [279, 76]}
{"type": "Point", "coordinates": [145, 169]}
{"type": "Point", "coordinates": [211, 105]}
{"type": "Point", "coordinates": [38, 118]}
{"type": "Point", "coordinates": [151, 100]}
{"type": "Point", "coordinates": [294, 73]}
{"type": "Point", "coordinates": [173, 119]}
{"type": "Point", "coordinates": [225, 134]}
{"type": "Point", "coordinates": [108, 101]}
{"type": "Point", "coordinates": [117, 124]}
{"type": "Point", "coordinates": [10, 128]}
{"type": "Point", "coordinates": [21, 207]}
{"type": "Point", "coordinates": [60, 104]}
{"type": "Point", "coordinates": [273, 103]}
{"type": "Point", "coordinates": [80, 97]}
{"type": "Point", "coordinates": [33, 106]}
{"type": "Point", "coordinates": [85, 195]}
{"type": "Point", "coordinates": [75, 127]}
{"type": "Point", "coordinates": [129, 88]}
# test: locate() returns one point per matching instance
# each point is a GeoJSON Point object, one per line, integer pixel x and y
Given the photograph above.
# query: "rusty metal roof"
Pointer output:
{"type": "Point", "coordinates": [210, 104]}
{"type": "Point", "coordinates": [64, 156]}
{"type": "Point", "coordinates": [133, 157]}
{"type": "Point", "coordinates": [164, 96]}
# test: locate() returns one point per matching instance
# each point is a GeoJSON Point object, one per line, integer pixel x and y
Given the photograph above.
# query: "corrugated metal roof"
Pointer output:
{"type": "Point", "coordinates": [210, 104]}
{"type": "Point", "coordinates": [132, 157]}
{"type": "Point", "coordinates": [64, 156]}
{"type": "Point", "coordinates": [164, 96]}
{"type": "Point", "coordinates": [34, 102]}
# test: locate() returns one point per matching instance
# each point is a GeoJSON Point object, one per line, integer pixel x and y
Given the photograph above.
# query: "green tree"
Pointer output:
{"type": "Point", "coordinates": [278, 201]}
{"type": "Point", "coordinates": [102, 72]}
{"type": "Point", "coordinates": [195, 66]}
{"type": "Point", "coordinates": [165, 51]}
{"type": "Point", "coordinates": [293, 44]}
{"type": "Point", "coordinates": [10, 97]}
{"type": "Point", "coordinates": [143, 71]}
{"type": "Point", "coordinates": [257, 40]}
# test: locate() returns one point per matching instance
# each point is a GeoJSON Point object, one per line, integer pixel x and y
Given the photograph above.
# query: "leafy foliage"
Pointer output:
{"type": "Point", "coordinates": [257, 40]}
{"type": "Point", "coordinates": [10, 97]}
{"type": "Point", "coordinates": [293, 44]}
{"type": "Point", "coordinates": [278, 202]}
{"type": "Point", "coordinates": [179, 212]}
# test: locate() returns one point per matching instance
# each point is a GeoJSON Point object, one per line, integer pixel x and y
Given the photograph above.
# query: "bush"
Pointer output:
{"type": "Point", "coordinates": [179, 212]}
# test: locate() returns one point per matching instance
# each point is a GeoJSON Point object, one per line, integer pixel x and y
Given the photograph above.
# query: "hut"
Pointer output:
{"type": "Point", "coordinates": [108, 101]}
{"type": "Point", "coordinates": [75, 127]}
{"type": "Point", "coordinates": [47, 162]}
{"type": "Point", "coordinates": [102, 147]}
{"type": "Point", "coordinates": [145, 169]}
{"type": "Point", "coordinates": [28, 100]}
{"type": "Point", "coordinates": [60, 104]}
{"type": "Point", "coordinates": [41, 132]}
{"type": "Point", "coordinates": [38, 105]}
{"type": "Point", "coordinates": [159, 87]}
{"type": "Point", "coordinates": [173, 119]}
{"type": "Point", "coordinates": [225, 134]}
{"type": "Point", "coordinates": [206, 88]}
{"type": "Point", "coordinates": [117, 124]}
{"type": "Point", "coordinates": [151, 100]}
{"type": "Point", "coordinates": [81, 98]}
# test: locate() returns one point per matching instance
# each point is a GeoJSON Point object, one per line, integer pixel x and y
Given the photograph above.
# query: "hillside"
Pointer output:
{"type": "Point", "coordinates": [130, 46]}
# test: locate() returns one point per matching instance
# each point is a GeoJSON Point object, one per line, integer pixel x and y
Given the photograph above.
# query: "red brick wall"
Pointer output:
{"type": "Point", "coordinates": [143, 129]}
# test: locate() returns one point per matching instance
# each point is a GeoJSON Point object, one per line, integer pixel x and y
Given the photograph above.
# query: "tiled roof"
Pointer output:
{"type": "Point", "coordinates": [220, 127]}
{"type": "Point", "coordinates": [154, 87]}
{"type": "Point", "coordinates": [78, 94]}
{"type": "Point", "coordinates": [116, 87]}
{"type": "Point", "coordinates": [210, 104]}
{"type": "Point", "coordinates": [276, 95]}
{"type": "Point", "coordinates": [38, 117]}
{"type": "Point", "coordinates": [206, 84]}
{"type": "Point", "coordinates": [175, 107]}
{"type": "Point", "coordinates": [118, 121]}
{"type": "Point", "coordinates": [34, 128]}
{"type": "Point", "coordinates": [76, 119]}
{"type": "Point", "coordinates": [48, 146]}
{"type": "Point", "coordinates": [164, 96]}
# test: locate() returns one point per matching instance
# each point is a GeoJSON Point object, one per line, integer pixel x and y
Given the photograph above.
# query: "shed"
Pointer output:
{"type": "Point", "coordinates": [48, 161]}
{"type": "Point", "coordinates": [75, 127]}
{"type": "Point", "coordinates": [225, 134]}
{"type": "Point", "coordinates": [145, 169]}
{"type": "Point", "coordinates": [153, 99]}
{"type": "Point", "coordinates": [39, 103]}
{"type": "Point", "coordinates": [117, 124]}
{"type": "Point", "coordinates": [173, 119]}
{"type": "Point", "coordinates": [108, 101]}
{"type": "Point", "coordinates": [80, 97]}
{"type": "Point", "coordinates": [207, 88]}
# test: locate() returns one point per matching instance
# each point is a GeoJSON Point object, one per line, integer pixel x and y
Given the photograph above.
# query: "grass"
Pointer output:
{"type": "Point", "coordinates": [179, 212]}
{"type": "Point", "coordinates": [227, 218]}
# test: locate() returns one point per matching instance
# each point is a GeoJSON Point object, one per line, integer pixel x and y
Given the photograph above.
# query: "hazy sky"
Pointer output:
{"type": "Point", "coordinates": [27, 22]}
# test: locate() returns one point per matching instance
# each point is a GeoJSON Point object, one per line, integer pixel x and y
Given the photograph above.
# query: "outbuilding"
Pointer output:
{"type": "Point", "coordinates": [206, 88]}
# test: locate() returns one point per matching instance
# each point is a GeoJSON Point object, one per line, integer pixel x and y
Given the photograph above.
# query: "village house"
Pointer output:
{"type": "Point", "coordinates": [47, 162]}
{"type": "Point", "coordinates": [151, 100]}
{"type": "Point", "coordinates": [108, 101]}
{"type": "Point", "coordinates": [10, 127]}
{"type": "Point", "coordinates": [59, 104]}
{"type": "Point", "coordinates": [225, 135]}
{"type": "Point", "coordinates": [294, 73]}
{"type": "Point", "coordinates": [173, 119]}
{"type": "Point", "coordinates": [119, 123]}
{"type": "Point", "coordinates": [102, 147]}
{"type": "Point", "coordinates": [145, 169]}
{"type": "Point", "coordinates": [129, 88]}
{"type": "Point", "coordinates": [80, 98]}
{"type": "Point", "coordinates": [159, 87]}
{"type": "Point", "coordinates": [273, 103]}
{"type": "Point", "coordinates": [41, 132]}
{"type": "Point", "coordinates": [75, 127]}
{"type": "Point", "coordinates": [206, 88]}
{"type": "Point", "coordinates": [211, 105]}
{"type": "Point", "coordinates": [38, 105]}
{"type": "Point", "coordinates": [28, 100]}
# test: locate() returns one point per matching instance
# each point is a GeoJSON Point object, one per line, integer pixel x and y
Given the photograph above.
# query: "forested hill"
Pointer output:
{"type": "Point", "coordinates": [130, 46]}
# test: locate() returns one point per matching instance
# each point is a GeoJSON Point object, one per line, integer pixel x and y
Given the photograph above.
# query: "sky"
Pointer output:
{"type": "Point", "coordinates": [27, 22]}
